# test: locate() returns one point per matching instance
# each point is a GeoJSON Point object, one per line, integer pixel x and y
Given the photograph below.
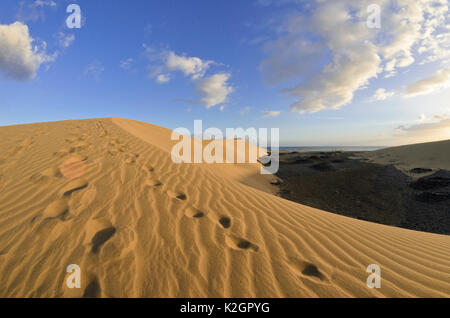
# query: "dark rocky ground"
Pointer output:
{"type": "Point", "coordinates": [334, 182]}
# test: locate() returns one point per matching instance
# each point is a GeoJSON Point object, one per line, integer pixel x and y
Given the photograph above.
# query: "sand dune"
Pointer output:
{"type": "Point", "coordinates": [105, 194]}
{"type": "Point", "coordinates": [431, 155]}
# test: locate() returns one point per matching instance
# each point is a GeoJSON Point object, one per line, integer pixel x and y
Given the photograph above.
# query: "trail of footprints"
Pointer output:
{"type": "Point", "coordinates": [300, 267]}
{"type": "Point", "coordinates": [59, 209]}
{"type": "Point", "coordinates": [223, 221]}
{"type": "Point", "coordinates": [100, 231]}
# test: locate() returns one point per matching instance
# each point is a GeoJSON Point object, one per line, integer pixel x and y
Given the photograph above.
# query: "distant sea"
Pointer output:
{"type": "Point", "coordinates": [332, 148]}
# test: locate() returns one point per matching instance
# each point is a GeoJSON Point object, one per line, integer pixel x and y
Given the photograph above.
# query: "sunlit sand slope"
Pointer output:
{"type": "Point", "coordinates": [431, 155]}
{"type": "Point", "coordinates": [105, 194]}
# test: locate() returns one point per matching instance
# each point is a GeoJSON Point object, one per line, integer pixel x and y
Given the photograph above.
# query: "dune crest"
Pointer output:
{"type": "Point", "coordinates": [139, 225]}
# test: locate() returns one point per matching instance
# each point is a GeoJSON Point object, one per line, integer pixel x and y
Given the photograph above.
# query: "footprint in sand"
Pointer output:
{"type": "Point", "coordinates": [65, 151]}
{"type": "Point", "coordinates": [131, 158]}
{"type": "Point", "coordinates": [149, 168]}
{"type": "Point", "coordinates": [92, 289]}
{"type": "Point", "coordinates": [83, 137]}
{"type": "Point", "coordinates": [194, 213]}
{"type": "Point", "coordinates": [52, 172]}
{"type": "Point", "coordinates": [56, 210]}
{"type": "Point", "coordinates": [239, 243]}
{"type": "Point", "coordinates": [177, 195]}
{"type": "Point", "coordinates": [101, 237]}
{"type": "Point", "coordinates": [154, 183]}
{"type": "Point", "coordinates": [122, 148]}
{"type": "Point", "coordinates": [98, 232]}
{"type": "Point", "coordinates": [80, 146]}
{"type": "Point", "coordinates": [71, 140]}
{"type": "Point", "coordinates": [73, 186]}
{"type": "Point", "coordinates": [46, 175]}
{"type": "Point", "coordinates": [225, 222]}
{"type": "Point", "coordinates": [307, 269]}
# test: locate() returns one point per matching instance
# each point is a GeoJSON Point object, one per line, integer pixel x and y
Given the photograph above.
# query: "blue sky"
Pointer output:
{"type": "Point", "coordinates": [314, 70]}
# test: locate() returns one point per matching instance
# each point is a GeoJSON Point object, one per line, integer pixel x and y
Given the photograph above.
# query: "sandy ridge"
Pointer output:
{"type": "Point", "coordinates": [141, 226]}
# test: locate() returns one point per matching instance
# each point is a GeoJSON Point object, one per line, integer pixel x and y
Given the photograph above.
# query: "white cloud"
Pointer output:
{"type": "Point", "coordinates": [269, 113]}
{"type": "Point", "coordinates": [435, 126]}
{"type": "Point", "coordinates": [331, 53]}
{"type": "Point", "coordinates": [34, 11]}
{"type": "Point", "coordinates": [423, 117]}
{"type": "Point", "coordinates": [382, 94]}
{"type": "Point", "coordinates": [19, 58]}
{"type": "Point", "coordinates": [213, 90]}
{"type": "Point", "coordinates": [427, 85]}
{"type": "Point", "coordinates": [65, 40]}
{"type": "Point", "coordinates": [190, 66]}
{"type": "Point", "coordinates": [162, 78]}
{"type": "Point", "coordinates": [43, 3]}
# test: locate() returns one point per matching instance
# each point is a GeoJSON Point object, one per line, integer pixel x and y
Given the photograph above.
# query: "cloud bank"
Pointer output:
{"type": "Point", "coordinates": [331, 52]}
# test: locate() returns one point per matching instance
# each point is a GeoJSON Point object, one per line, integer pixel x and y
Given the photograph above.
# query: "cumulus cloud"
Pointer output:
{"type": "Point", "coordinates": [427, 85]}
{"type": "Point", "coordinates": [20, 59]}
{"type": "Point", "coordinates": [213, 90]}
{"type": "Point", "coordinates": [269, 113]}
{"type": "Point", "coordinates": [382, 94]}
{"type": "Point", "coordinates": [331, 52]}
{"type": "Point", "coordinates": [190, 66]}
